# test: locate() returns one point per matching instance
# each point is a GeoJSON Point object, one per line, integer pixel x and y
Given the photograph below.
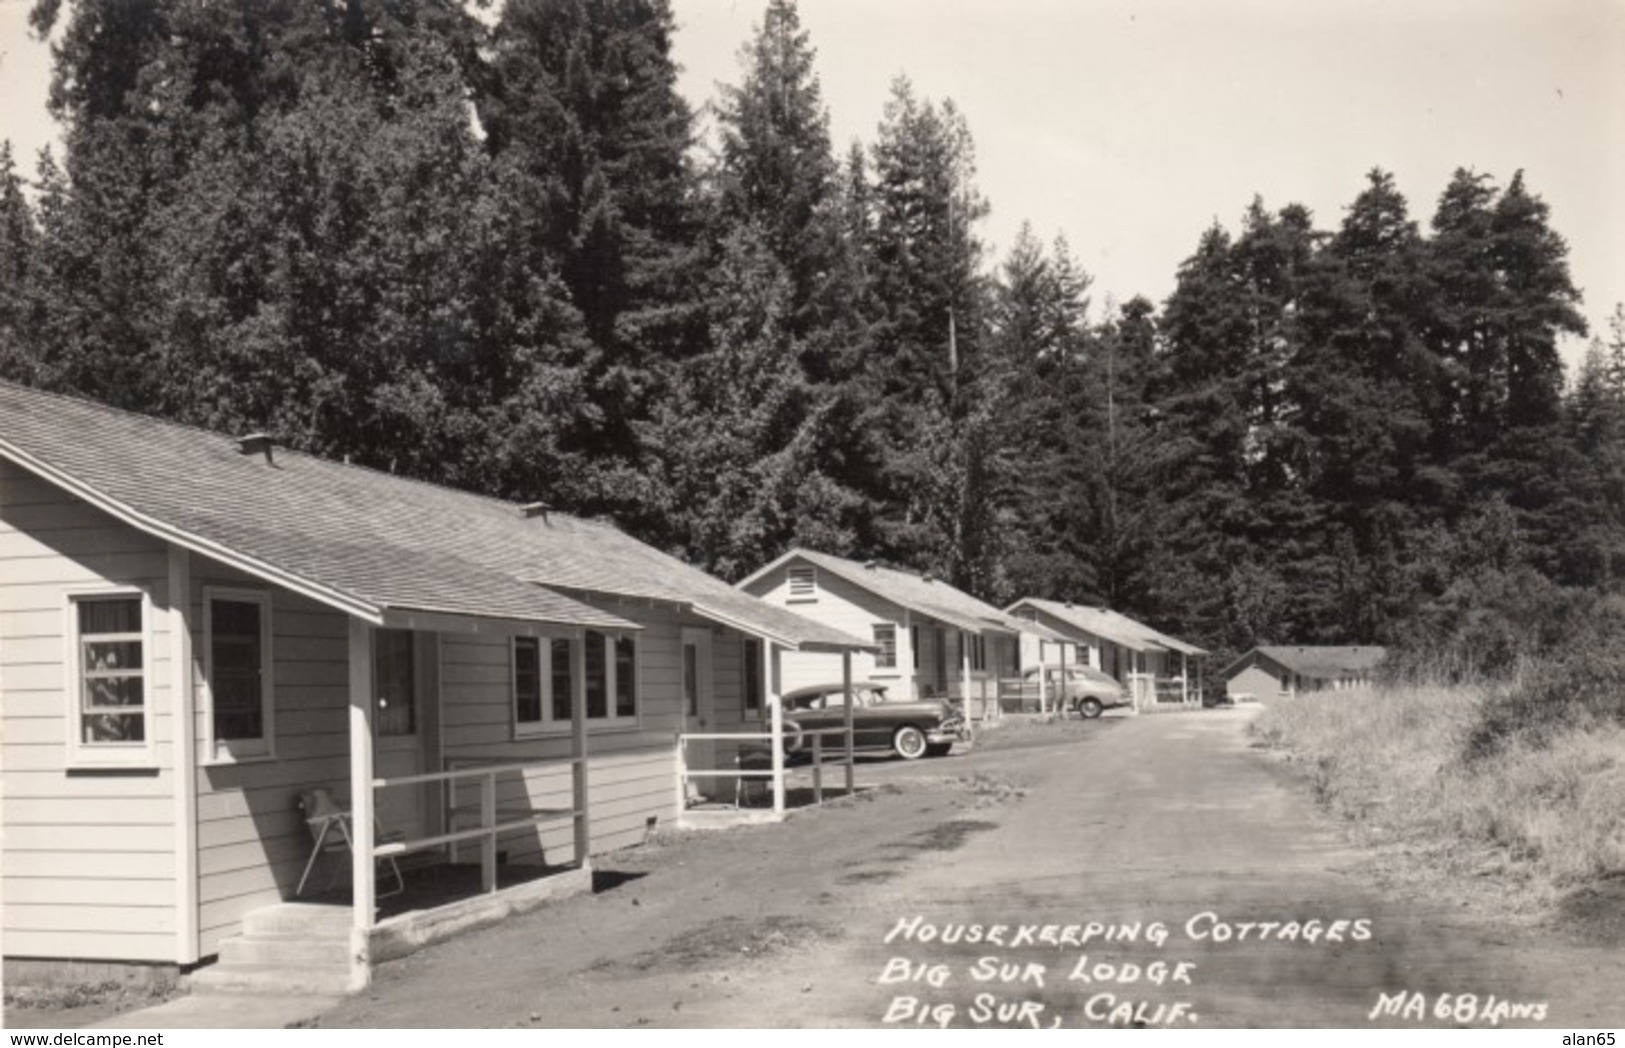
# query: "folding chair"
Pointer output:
{"type": "Point", "coordinates": [329, 826]}
{"type": "Point", "coordinates": [752, 759]}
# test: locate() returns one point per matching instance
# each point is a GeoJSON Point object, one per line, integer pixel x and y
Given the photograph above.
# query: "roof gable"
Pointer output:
{"type": "Point", "coordinates": [1109, 625]}
{"type": "Point", "coordinates": [920, 594]}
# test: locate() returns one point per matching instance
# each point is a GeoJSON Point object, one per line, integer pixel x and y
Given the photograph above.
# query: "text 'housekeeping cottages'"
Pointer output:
{"type": "Point", "coordinates": [198, 631]}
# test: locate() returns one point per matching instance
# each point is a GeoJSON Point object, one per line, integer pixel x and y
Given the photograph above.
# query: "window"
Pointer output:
{"type": "Point", "coordinates": [626, 678]}
{"type": "Point", "coordinates": [691, 679]}
{"type": "Point", "coordinates": [804, 583]}
{"type": "Point", "coordinates": [527, 682]}
{"type": "Point", "coordinates": [978, 651]}
{"type": "Point", "coordinates": [886, 637]}
{"type": "Point", "coordinates": [914, 644]}
{"type": "Point", "coordinates": [110, 666]}
{"type": "Point", "coordinates": [394, 683]}
{"type": "Point", "coordinates": [612, 670]}
{"type": "Point", "coordinates": [544, 682]}
{"type": "Point", "coordinates": [563, 684]}
{"type": "Point", "coordinates": [754, 695]}
{"type": "Point", "coordinates": [238, 670]}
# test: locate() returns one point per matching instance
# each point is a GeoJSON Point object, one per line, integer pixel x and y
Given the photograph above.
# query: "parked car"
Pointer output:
{"type": "Point", "coordinates": [1085, 691]}
{"type": "Point", "coordinates": [921, 728]}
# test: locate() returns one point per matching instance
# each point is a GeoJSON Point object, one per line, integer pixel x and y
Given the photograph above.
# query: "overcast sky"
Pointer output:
{"type": "Point", "coordinates": [1131, 125]}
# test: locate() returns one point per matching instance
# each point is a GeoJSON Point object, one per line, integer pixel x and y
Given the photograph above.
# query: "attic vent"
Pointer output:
{"type": "Point", "coordinates": [256, 444]}
{"type": "Point", "coordinates": [534, 509]}
{"type": "Point", "coordinates": [803, 583]}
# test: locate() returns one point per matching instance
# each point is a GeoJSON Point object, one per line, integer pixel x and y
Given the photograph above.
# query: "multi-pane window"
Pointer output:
{"type": "Point", "coordinates": [239, 673]}
{"type": "Point", "coordinates": [886, 637]}
{"type": "Point", "coordinates": [612, 671]}
{"type": "Point", "coordinates": [563, 685]}
{"type": "Point", "coordinates": [544, 681]}
{"type": "Point", "coordinates": [394, 683]}
{"type": "Point", "coordinates": [527, 682]}
{"type": "Point", "coordinates": [803, 583]}
{"type": "Point", "coordinates": [626, 678]}
{"type": "Point", "coordinates": [112, 671]}
{"type": "Point", "coordinates": [754, 694]}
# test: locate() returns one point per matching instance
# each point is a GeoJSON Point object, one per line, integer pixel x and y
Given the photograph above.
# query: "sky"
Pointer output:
{"type": "Point", "coordinates": [1130, 126]}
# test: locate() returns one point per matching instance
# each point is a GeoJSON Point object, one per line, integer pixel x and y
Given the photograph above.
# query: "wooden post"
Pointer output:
{"type": "Point", "coordinates": [1043, 697]}
{"type": "Point", "coordinates": [1060, 686]}
{"type": "Point", "coordinates": [964, 674]}
{"type": "Point", "coordinates": [851, 719]}
{"type": "Point", "coordinates": [488, 843]}
{"type": "Point", "coordinates": [770, 660]}
{"type": "Point", "coordinates": [364, 891]}
{"type": "Point", "coordinates": [578, 748]}
{"type": "Point", "coordinates": [185, 733]}
{"type": "Point", "coordinates": [818, 769]}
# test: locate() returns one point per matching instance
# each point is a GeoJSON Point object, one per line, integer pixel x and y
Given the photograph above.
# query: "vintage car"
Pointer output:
{"type": "Point", "coordinates": [923, 728]}
{"type": "Point", "coordinates": [1085, 691]}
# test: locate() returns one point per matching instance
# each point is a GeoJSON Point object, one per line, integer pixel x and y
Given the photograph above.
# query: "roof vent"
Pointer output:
{"type": "Point", "coordinates": [534, 509]}
{"type": "Point", "coordinates": [928, 577]}
{"type": "Point", "coordinates": [871, 564]}
{"type": "Point", "coordinates": [256, 444]}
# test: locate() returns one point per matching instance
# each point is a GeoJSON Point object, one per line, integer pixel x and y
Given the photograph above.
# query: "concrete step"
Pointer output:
{"type": "Point", "coordinates": [272, 979]}
{"type": "Point", "coordinates": [293, 950]}
{"type": "Point", "coordinates": [298, 918]}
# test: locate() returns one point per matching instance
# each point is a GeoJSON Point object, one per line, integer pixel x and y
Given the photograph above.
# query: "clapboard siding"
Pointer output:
{"type": "Point", "coordinates": [252, 844]}
{"type": "Point", "coordinates": [89, 857]}
{"type": "Point", "coordinates": [843, 606]}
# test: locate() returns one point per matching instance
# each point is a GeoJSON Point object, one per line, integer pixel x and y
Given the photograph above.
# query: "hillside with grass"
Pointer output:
{"type": "Point", "coordinates": [1509, 792]}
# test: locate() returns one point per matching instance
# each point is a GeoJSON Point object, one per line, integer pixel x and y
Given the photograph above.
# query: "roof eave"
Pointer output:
{"type": "Point", "coordinates": [341, 600]}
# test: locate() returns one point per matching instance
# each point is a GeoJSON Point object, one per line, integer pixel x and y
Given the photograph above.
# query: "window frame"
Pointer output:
{"type": "Point", "coordinates": [752, 671]}
{"type": "Point", "coordinates": [551, 724]}
{"type": "Point", "coordinates": [544, 685]}
{"type": "Point", "coordinates": [80, 754]}
{"type": "Point", "coordinates": [883, 660]}
{"type": "Point", "coordinates": [238, 751]}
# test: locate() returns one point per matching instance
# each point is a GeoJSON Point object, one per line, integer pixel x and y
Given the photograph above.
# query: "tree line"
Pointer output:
{"type": "Point", "coordinates": [494, 250]}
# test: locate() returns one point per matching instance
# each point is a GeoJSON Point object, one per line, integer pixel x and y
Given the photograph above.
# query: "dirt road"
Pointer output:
{"type": "Point", "coordinates": [1138, 871]}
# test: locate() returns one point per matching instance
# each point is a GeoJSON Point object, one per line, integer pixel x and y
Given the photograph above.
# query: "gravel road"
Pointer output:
{"type": "Point", "coordinates": [1131, 871]}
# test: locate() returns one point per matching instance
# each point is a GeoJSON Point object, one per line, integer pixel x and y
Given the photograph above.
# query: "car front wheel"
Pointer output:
{"type": "Point", "coordinates": [909, 742]}
{"type": "Point", "coordinates": [1090, 708]}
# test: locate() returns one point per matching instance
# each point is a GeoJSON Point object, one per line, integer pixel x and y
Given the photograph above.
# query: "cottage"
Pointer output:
{"type": "Point", "coordinates": [1156, 668]}
{"type": "Point", "coordinates": [931, 639]}
{"type": "Point", "coordinates": [196, 630]}
{"type": "Point", "coordinates": [1285, 671]}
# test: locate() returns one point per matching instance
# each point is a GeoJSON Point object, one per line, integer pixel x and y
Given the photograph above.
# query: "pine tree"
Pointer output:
{"type": "Point", "coordinates": [18, 240]}
{"type": "Point", "coordinates": [928, 355]}
{"type": "Point", "coordinates": [582, 105]}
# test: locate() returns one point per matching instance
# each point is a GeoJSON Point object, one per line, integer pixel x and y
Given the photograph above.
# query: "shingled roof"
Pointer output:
{"type": "Point", "coordinates": [918, 593]}
{"type": "Point", "coordinates": [1320, 662]}
{"type": "Point", "coordinates": [365, 542]}
{"type": "Point", "coordinates": [1110, 625]}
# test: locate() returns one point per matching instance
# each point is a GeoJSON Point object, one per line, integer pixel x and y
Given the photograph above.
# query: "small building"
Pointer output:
{"type": "Point", "coordinates": [1285, 671]}
{"type": "Point", "coordinates": [931, 639]}
{"type": "Point", "coordinates": [1161, 672]}
{"type": "Point", "coordinates": [197, 630]}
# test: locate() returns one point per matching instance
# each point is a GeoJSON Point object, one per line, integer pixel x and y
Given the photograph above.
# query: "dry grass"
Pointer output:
{"type": "Point", "coordinates": [1544, 819]}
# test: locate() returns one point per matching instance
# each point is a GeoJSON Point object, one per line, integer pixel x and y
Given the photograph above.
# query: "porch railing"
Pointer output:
{"type": "Point", "coordinates": [493, 819]}
{"type": "Point", "coordinates": [747, 764]}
